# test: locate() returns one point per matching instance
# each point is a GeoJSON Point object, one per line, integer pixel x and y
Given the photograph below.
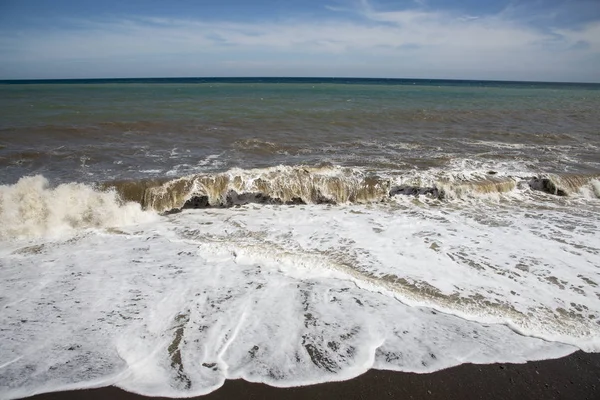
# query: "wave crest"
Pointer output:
{"type": "Point", "coordinates": [281, 185]}
{"type": "Point", "coordinates": [568, 184]}
{"type": "Point", "coordinates": [334, 185]}
{"type": "Point", "coordinates": [32, 208]}
{"type": "Point", "coordinates": [449, 188]}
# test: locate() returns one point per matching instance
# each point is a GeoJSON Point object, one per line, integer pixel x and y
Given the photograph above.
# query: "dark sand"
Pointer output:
{"type": "Point", "coordinates": [574, 377]}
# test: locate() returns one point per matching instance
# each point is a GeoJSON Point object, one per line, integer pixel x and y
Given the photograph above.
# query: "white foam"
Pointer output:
{"type": "Point", "coordinates": [32, 208]}
{"type": "Point", "coordinates": [293, 295]}
{"type": "Point", "coordinates": [211, 160]}
{"type": "Point", "coordinates": [469, 166]}
{"type": "Point", "coordinates": [595, 184]}
{"type": "Point", "coordinates": [469, 253]}
{"type": "Point", "coordinates": [255, 315]}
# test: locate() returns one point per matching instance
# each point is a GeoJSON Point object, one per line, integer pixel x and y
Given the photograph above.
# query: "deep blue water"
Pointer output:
{"type": "Point", "coordinates": [345, 81]}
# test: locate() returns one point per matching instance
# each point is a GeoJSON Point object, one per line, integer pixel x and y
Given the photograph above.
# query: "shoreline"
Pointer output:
{"type": "Point", "coordinates": [576, 376]}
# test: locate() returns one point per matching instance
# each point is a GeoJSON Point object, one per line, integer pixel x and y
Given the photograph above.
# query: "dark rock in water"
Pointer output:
{"type": "Point", "coordinates": [318, 200]}
{"type": "Point", "coordinates": [234, 199]}
{"type": "Point", "coordinates": [413, 191]}
{"type": "Point", "coordinates": [546, 185]}
{"type": "Point", "coordinates": [298, 201]}
{"type": "Point", "coordinates": [173, 211]}
{"type": "Point", "coordinates": [492, 172]}
{"type": "Point", "coordinates": [197, 202]}
{"type": "Point", "coordinates": [405, 190]}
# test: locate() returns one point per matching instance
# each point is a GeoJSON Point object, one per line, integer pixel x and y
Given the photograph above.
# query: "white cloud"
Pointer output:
{"type": "Point", "coordinates": [590, 34]}
{"type": "Point", "coordinates": [392, 43]}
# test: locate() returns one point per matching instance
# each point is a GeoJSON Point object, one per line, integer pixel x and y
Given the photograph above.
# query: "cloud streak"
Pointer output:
{"type": "Point", "coordinates": [411, 42]}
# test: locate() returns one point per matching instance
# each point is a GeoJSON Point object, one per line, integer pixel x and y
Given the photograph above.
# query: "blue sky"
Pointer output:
{"type": "Point", "coordinates": [554, 40]}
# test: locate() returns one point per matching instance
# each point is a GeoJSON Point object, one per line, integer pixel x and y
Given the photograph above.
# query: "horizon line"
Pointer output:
{"type": "Point", "coordinates": [164, 78]}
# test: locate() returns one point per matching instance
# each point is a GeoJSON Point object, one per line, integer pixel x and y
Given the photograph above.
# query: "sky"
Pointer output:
{"type": "Point", "coordinates": [532, 40]}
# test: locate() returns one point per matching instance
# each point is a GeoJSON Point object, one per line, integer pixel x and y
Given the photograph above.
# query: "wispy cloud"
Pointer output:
{"type": "Point", "coordinates": [404, 42]}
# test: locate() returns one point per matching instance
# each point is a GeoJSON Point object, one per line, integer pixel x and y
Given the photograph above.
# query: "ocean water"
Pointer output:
{"type": "Point", "coordinates": [165, 235]}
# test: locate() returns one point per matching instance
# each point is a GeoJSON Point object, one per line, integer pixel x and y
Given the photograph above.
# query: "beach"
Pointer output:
{"type": "Point", "coordinates": [574, 377]}
{"type": "Point", "coordinates": [326, 238]}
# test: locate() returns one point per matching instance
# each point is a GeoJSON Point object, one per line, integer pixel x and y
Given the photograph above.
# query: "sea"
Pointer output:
{"type": "Point", "coordinates": [164, 235]}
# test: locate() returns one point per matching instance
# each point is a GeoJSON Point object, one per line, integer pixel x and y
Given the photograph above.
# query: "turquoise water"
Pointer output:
{"type": "Point", "coordinates": [136, 125]}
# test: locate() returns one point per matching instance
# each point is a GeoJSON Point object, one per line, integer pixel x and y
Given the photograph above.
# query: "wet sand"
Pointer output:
{"type": "Point", "coordinates": [574, 377]}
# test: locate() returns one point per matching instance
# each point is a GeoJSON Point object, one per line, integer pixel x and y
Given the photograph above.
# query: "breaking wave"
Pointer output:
{"type": "Point", "coordinates": [334, 185]}
{"type": "Point", "coordinates": [32, 208]}
{"type": "Point", "coordinates": [279, 185]}
{"type": "Point", "coordinates": [568, 184]}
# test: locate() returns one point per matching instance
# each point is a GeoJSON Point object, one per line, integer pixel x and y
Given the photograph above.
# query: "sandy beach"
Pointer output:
{"type": "Point", "coordinates": [574, 377]}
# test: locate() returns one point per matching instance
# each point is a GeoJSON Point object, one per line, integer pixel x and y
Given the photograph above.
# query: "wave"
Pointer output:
{"type": "Point", "coordinates": [32, 208]}
{"type": "Point", "coordinates": [329, 184]}
{"type": "Point", "coordinates": [456, 186]}
{"type": "Point", "coordinates": [568, 184]}
{"type": "Point", "coordinates": [278, 185]}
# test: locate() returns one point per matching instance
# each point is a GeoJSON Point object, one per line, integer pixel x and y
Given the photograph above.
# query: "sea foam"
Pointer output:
{"type": "Point", "coordinates": [289, 294]}
{"type": "Point", "coordinates": [32, 208]}
{"type": "Point", "coordinates": [294, 295]}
